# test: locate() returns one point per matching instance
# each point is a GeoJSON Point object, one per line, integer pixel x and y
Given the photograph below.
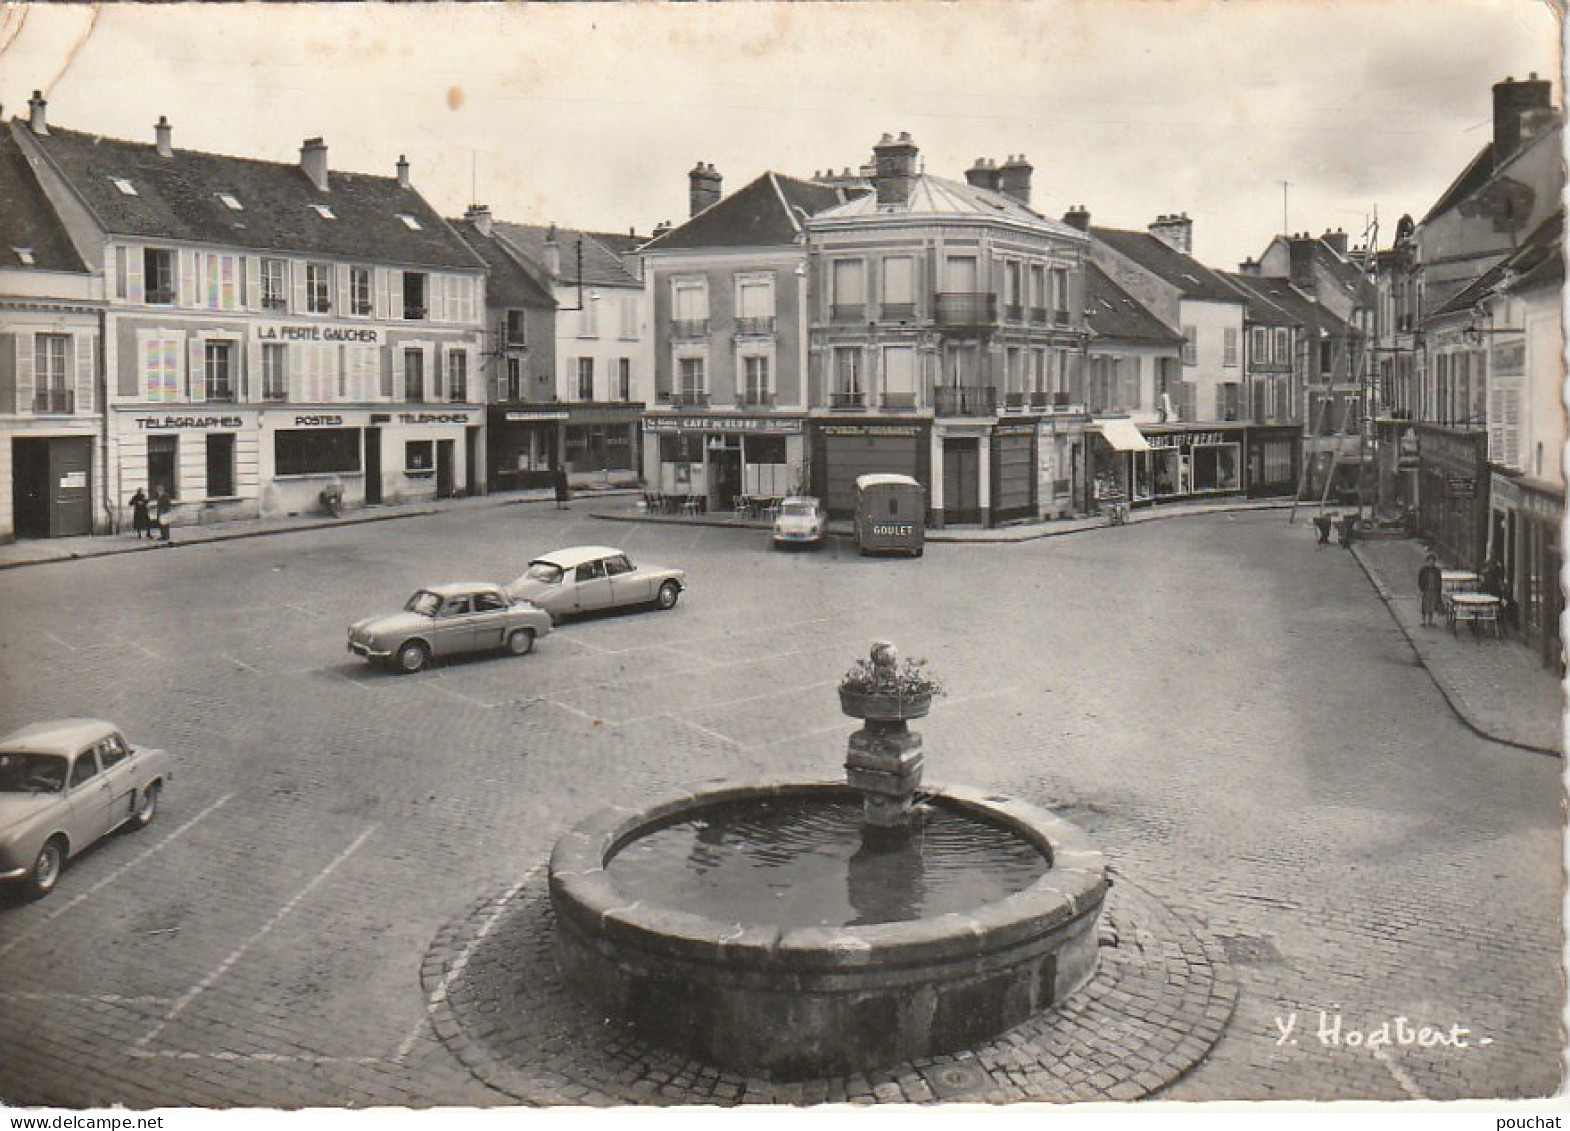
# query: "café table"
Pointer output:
{"type": "Point", "coordinates": [1475, 609]}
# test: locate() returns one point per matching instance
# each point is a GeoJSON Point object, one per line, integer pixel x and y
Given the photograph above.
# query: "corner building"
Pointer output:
{"type": "Point", "coordinates": [270, 329]}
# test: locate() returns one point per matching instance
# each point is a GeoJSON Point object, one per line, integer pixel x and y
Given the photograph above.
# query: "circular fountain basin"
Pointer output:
{"type": "Point", "coordinates": [888, 961]}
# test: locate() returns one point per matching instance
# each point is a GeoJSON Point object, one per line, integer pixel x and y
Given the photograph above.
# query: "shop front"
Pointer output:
{"type": "Point", "coordinates": [1453, 480]}
{"type": "Point", "coordinates": [204, 456]}
{"type": "Point", "coordinates": [843, 450]}
{"type": "Point", "coordinates": [1014, 471]}
{"type": "Point", "coordinates": [1185, 463]}
{"type": "Point", "coordinates": [715, 458]}
{"type": "Point", "coordinates": [1526, 517]}
{"type": "Point", "coordinates": [1274, 460]}
{"type": "Point", "coordinates": [1119, 453]}
{"type": "Point", "coordinates": [54, 478]}
{"type": "Point", "coordinates": [1060, 483]}
{"type": "Point", "coordinates": [525, 442]}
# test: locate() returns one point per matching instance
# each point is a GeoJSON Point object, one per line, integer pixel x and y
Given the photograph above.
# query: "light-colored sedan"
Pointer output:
{"type": "Point", "coordinates": [449, 620]}
{"type": "Point", "coordinates": [65, 785]}
{"type": "Point", "coordinates": [582, 579]}
{"type": "Point", "coordinates": [800, 522]}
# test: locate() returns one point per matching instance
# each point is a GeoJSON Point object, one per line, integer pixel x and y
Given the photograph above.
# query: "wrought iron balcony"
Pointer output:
{"type": "Point", "coordinates": [967, 309]}
{"type": "Point", "coordinates": [899, 402]}
{"type": "Point", "coordinates": [848, 312]}
{"type": "Point", "coordinates": [689, 328]}
{"type": "Point", "coordinates": [1014, 312]}
{"type": "Point", "coordinates": [847, 398]}
{"type": "Point", "coordinates": [897, 311]}
{"type": "Point", "coordinates": [1038, 315]}
{"type": "Point", "coordinates": [755, 327]}
{"type": "Point", "coordinates": [757, 398]}
{"type": "Point", "coordinates": [693, 397]}
{"type": "Point", "coordinates": [220, 391]}
{"type": "Point", "coordinates": [1060, 318]}
{"type": "Point", "coordinates": [965, 400]}
{"type": "Point", "coordinates": [54, 401]}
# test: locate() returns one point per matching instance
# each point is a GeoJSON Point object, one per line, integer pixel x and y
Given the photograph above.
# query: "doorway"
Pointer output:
{"type": "Point", "coordinates": [373, 466]}
{"type": "Point", "coordinates": [445, 478]}
{"type": "Point", "coordinates": [961, 480]}
{"type": "Point", "coordinates": [50, 497]}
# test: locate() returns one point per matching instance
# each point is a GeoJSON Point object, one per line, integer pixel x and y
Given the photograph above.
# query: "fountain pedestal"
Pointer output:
{"type": "Point", "coordinates": [883, 763]}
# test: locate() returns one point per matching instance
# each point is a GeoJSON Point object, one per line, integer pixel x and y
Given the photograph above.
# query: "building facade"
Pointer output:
{"type": "Point", "coordinates": [52, 481]}
{"type": "Point", "coordinates": [947, 321]}
{"type": "Point", "coordinates": [271, 331]}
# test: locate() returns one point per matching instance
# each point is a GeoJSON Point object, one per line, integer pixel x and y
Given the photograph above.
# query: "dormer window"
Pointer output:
{"type": "Point", "coordinates": [324, 211]}
{"type": "Point", "coordinates": [125, 186]}
{"type": "Point", "coordinates": [25, 254]}
{"type": "Point", "coordinates": [231, 202]}
{"type": "Point", "coordinates": [410, 222]}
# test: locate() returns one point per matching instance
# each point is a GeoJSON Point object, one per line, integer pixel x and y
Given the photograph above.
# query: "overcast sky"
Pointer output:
{"type": "Point", "coordinates": [591, 116]}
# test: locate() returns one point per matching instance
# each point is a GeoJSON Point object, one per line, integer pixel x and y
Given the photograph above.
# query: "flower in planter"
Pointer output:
{"type": "Point", "coordinates": [884, 674]}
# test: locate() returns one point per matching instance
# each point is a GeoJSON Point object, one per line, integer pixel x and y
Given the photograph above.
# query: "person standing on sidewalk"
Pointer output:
{"type": "Point", "coordinates": [1348, 530]}
{"type": "Point", "coordinates": [1322, 523]}
{"type": "Point", "coordinates": [1430, 585]}
{"type": "Point", "coordinates": [559, 483]}
{"type": "Point", "coordinates": [139, 521]}
{"type": "Point", "coordinates": [165, 509]}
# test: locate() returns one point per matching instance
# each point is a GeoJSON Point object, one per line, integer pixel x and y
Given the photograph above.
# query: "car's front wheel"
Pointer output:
{"type": "Point", "coordinates": [412, 657]}
{"type": "Point", "coordinates": [666, 597]}
{"type": "Point", "coordinates": [146, 807]}
{"type": "Point", "coordinates": [46, 868]}
{"type": "Point", "coordinates": [521, 642]}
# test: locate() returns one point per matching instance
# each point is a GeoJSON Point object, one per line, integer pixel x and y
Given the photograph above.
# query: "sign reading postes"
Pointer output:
{"type": "Point", "coordinates": [337, 419]}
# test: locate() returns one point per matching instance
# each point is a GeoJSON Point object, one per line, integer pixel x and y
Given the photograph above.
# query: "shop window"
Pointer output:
{"type": "Point", "coordinates": [158, 276]}
{"type": "Point", "coordinates": [316, 451]}
{"type": "Point", "coordinates": [220, 465]}
{"type": "Point", "coordinates": [163, 462]}
{"type": "Point", "coordinates": [419, 457]}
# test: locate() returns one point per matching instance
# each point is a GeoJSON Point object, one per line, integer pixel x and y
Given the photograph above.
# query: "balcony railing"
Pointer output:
{"type": "Point", "coordinates": [412, 313]}
{"type": "Point", "coordinates": [899, 402]}
{"type": "Point", "coordinates": [757, 398]}
{"type": "Point", "coordinates": [1042, 400]}
{"type": "Point", "coordinates": [691, 397]}
{"type": "Point", "coordinates": [689, 327]}
{"type": "Point", "coordinates": [1038, 315]}
{"type": "Point", "coordinates": [847, 398]}
{"type": "Point", "coordinates": [898, 311]}
{"type": "Point", "coordinates": [1060, 318]}
{"type": "Point", "coordinates": [55, 401]}
{"type": "Point", "coordinates": [848, 312]}
{"type": "Point", "coordinates": [274, 302]}
{"type": "Point", "coordinates": [967, 309]}
{"type": "Point", "coordinates": [275, 394]}
{"type": "Point", "coordinates": [755, 327]}
{"type": "Point", "coordinates": [965, 400]}
{"type": "Point", "coordinates": [220, 391]}
{"type": "Point", "coordinates": [1015, 400]}
{"type": "Point", "coordinates": [159, 296]}
{"type": "Point", "coordinates": [1014, 312]}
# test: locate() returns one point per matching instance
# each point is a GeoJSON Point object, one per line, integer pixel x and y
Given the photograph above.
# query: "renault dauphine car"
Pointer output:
{"type": "Point", "coordinates": [582, 579]}
{"type": "Point", "coordinates": [65, 785]}
{"type": "Point", "coordinates": [448, 620]}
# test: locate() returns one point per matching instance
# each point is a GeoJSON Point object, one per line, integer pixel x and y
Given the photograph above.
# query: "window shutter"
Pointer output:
{"type": "Point", "coordinates": [395, 307]}
{"type": "Point", "coordinates": [432, 381]}
{"type": "Point", "coordinates": [253, 282]}
{"type": "Point", "coordinates": [251, 378]}
{"type": "Point", "coordinates": [436, 297]}
{"type": "Point", "coordinates": [397, 391]}
{"type": "Point", "coordinates": [196, 384]}
{"type": "Point", "coordinates": [379, 291]}
{"type": "Point", "coordinates": [24, 372]}
{"type": "Point", "coordinates": [439, 360]}
{"type": "Point", "coordinates": [188, 294]}
{"type": "Point", "coordinates": [296, 273]}
{"type": "Point", "coordinates": [82, 347]}
{"type": "Point", "coordinates": [341, 288]}
{"type": "Point", "coordinates": [135, 280]}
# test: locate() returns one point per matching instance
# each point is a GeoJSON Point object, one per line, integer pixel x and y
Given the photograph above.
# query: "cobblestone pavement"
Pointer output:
{"type": "Point", "coordinates": [1232, 715]}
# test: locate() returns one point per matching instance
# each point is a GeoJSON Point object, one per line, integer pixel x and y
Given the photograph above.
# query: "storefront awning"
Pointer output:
{"type": "Point", "coordinates": [1123, 435]}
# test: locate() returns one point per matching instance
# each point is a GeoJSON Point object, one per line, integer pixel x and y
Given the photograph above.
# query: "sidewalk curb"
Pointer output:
{"type": "Point", "coordinates": [1453, 699]}
{"type": "Point", "coordinates": [321, 522]}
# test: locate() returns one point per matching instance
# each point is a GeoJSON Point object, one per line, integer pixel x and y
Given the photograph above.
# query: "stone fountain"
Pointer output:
{"type": "Point", "coordinates": [798, 928]}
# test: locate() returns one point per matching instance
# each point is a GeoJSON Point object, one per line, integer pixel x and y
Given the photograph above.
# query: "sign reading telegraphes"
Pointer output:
{"type": "Point", "coordinates": [198, 423]}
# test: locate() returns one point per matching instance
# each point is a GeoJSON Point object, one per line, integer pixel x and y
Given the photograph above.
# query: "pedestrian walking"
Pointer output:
{"type": "Point", "coordinates": [559, 483]}
{"type": "Point", "coordinates": [1430, 585]}
{"type": "Point", "coordinates": [164, 509]}
{"type": "Point", "coordinates": [139, 519]}
{"type": "Point", "coordinates": [1323, 523]}
{"type": "Point", "coordinates": [1348, 530]}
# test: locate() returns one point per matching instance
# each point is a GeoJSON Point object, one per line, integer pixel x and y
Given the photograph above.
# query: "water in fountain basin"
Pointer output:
{"type": "Point", "coordinates": [802, 862]}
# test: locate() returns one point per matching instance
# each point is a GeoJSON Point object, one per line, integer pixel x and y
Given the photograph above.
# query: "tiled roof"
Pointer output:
{"type": "Point", "coordinates": [1274, 301]}
{"type": "Point", "coordinates": [178, 198]}
{"type": "Point", "coordinates": [1184, 272]}
{"type": "Point", "coordinates": [27, 220]}
{"type": "Point", "coordinates": [938, 196]}
{"type": "Point", "coordinates": [1537, 262]}
{"type": "Point", "coordinates": [508, 284]}
{"type": "Point", "coordinates": [1472, 178]}
{"type": "Point", "coordinates": [602, 267]}
{"type": "Point", "coordinates": [1114, 313]}
{"type": "Point", "coordinates": [763, 213]}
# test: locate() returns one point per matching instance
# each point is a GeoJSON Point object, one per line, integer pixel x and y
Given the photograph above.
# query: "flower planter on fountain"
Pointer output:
{"type": "Point", "coordinates": [955, 915]}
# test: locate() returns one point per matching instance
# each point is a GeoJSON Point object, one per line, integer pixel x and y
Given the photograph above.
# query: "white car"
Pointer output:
{"type": "Point", "coordinates": [582, 579]}
{"type": "Point", "coordinates": [800, 521]}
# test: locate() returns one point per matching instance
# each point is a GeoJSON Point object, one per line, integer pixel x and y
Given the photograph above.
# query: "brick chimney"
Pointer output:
{"type": "Point", "coordinates": [1078, 217]}
{"type": "Point", "coordinates": [1512, 101]}
{"type": "Point", "coordinates": [38, 113]}
{"type": "Point", "coordinates": [1014, 178]}
{"type": "Point", "coordinates": [703, 188]}
{"type": "Point", "coordinates": [480, 216]}
{"type": "Point", "coordinates": [313, 161]}
{"type": "Point", "coordinates": [1337, 240]}
{"type": "Point", "coordinates": [403, 171]}
{"type": "Point", "coordinates": [1176, 231]}
{"type": "Point", "coordinates": [164, 133]}
{"type": "Point", "coordinates": [1300, 261]}
{"type": "Point", "coordinates": [894, 160]}
{"type": "Point", "coordinates": [983, 175]}
{"type": "Point", "coordinates": [1250, 268]}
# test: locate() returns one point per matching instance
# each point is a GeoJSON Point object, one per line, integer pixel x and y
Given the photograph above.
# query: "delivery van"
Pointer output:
{"type": "Point", "coordinates": [891, 514]}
